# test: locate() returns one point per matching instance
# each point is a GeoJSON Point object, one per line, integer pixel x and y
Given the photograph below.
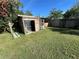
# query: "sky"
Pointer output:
{"type": "Point", "coordinates": [43, 7]}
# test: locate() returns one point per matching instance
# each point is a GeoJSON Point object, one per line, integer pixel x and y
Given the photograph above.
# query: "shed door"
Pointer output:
{"type": "Point", "coordinates": [27, 25]}
{"type": "Point", "coordinates": [32, 25]}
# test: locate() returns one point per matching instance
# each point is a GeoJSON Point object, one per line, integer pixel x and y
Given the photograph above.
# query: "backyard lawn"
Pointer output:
{"type": "Point", "coordinates": [52, 43]}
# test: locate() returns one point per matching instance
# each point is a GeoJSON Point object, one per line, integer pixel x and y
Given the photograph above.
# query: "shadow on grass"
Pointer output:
{"type": "Point", "coordinates": [66, 31]}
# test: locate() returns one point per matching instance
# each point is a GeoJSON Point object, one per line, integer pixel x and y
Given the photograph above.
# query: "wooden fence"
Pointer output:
{"type": "Point", "coordinates": [66, 23]}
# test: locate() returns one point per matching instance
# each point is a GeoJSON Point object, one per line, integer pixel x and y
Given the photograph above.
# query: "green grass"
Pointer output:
{"type": "Point", "coordinates": [50, 43]}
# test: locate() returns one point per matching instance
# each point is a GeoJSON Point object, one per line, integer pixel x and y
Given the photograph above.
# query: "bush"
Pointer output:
{"type": "Point", "coordinates": [3, 24]}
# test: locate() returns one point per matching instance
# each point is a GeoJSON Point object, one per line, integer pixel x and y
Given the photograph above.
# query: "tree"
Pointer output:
{"type": "Point", "coordinates": [3, 13]}
{"type": "Point", "coordinates": [56, 14]}
{"type": "Point", "coordinates": [72, 13]}
{"type": "Point", "coordinates": [20, 12]}
{"type": "Point", "coordinates": [8, 10]}
{"type": "Point", "coordinates": [28, 13]}
{"type": "Point", "coordinates": [3, 24]}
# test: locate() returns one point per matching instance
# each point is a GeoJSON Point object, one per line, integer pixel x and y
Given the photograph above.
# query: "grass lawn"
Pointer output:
{"type": "Point", "coordinates": [53, 43]}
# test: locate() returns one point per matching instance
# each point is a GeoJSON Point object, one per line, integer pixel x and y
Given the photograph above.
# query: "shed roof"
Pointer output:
{"type": "Point", "coordinates": [28, 16]}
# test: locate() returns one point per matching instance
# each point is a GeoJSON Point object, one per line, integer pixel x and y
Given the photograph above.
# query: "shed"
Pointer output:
{"type": "Point", "coordinates": [29, 23]}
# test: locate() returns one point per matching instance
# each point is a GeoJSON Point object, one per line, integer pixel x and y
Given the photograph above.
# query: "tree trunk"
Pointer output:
{"type": "Point", "coordinates": [11, 30]}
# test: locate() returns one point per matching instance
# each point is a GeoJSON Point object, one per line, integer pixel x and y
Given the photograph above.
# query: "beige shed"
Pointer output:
{"type": "Point", "coordinates": [29, 23]}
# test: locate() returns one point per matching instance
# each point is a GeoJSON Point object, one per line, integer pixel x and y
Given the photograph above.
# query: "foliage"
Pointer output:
{"type": "Point", "coordinates": [11, 8]}
{"type": "Point", "coordinates": [28, 13]}
{"type": "Point", "coordinates": [20, 12]}
{"type": "Point", "coordinates": [72, 13]}
{"type": "Point", "coordinates": [3, 24]}
{"type": "Point", "coordinates": [20, 5]}
{"type": "Point", "coordinates": [56, 14]}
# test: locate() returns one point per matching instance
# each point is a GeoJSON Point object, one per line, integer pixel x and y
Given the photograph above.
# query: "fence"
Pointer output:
{"type": "Point", "coordinates": [67, 23]}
